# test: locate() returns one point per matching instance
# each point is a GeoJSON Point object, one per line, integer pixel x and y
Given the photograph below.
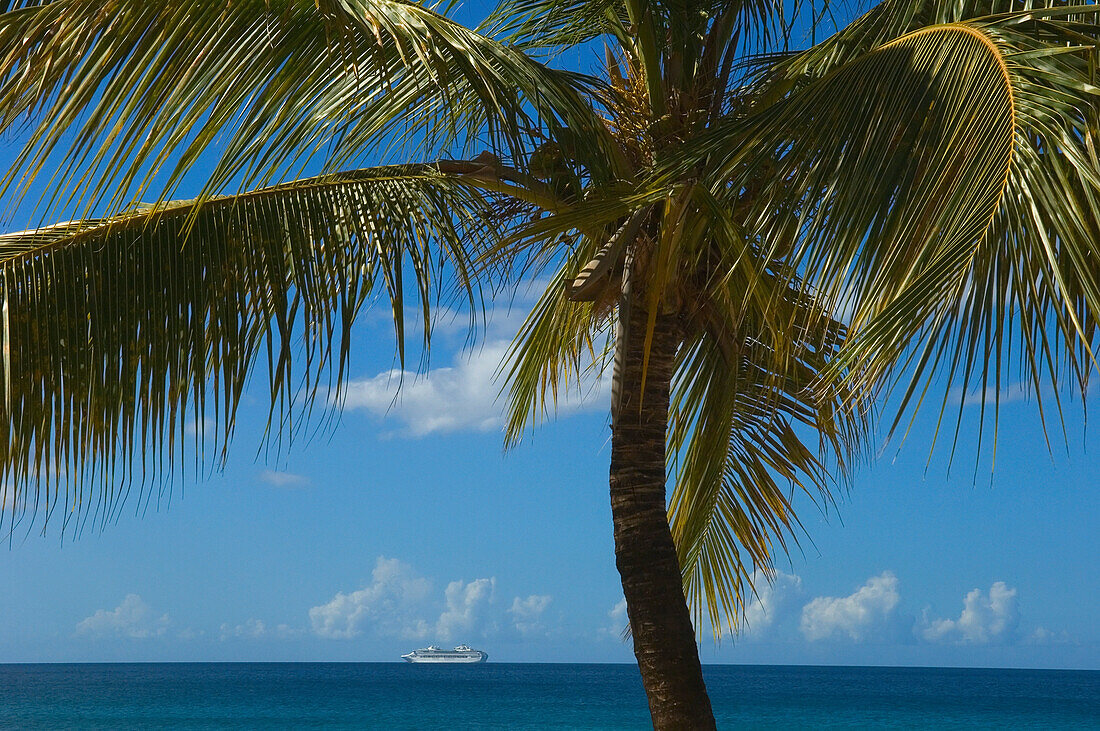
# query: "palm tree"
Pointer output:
{"type": "Point", "coordinates": [755, 239]}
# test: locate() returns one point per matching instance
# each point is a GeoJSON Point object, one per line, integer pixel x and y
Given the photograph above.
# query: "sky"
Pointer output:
{"type": "Point", "coordinates": [409, 523]}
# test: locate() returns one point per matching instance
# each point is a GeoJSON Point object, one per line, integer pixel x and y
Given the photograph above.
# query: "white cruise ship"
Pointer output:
{"type": "Point", "coordinates": [461, 654]}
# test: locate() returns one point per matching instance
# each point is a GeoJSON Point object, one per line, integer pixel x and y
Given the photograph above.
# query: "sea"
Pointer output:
{"type": "Point", "coordinates": [531, 696]}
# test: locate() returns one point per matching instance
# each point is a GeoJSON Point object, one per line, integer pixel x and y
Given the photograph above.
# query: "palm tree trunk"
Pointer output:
{"type": "Point", "coordinates": [664, 639]}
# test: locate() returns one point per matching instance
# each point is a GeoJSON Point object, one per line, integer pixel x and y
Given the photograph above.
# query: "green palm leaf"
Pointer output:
{"type": "Point", "coordinates": [133, 87]}
{"type": "Point", "coordinates": [562, 346]}
{"type": "Point", "coordinates": [118, 333]}
{"type": "Point", "coordinates": [944, 183]}
{"type": "Point", "coordinates": [534, 25]}
{"type": "Point", "coordinates": [749, 426]}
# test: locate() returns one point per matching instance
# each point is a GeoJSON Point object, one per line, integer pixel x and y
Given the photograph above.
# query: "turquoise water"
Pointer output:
{"type": "Point", "coordinates": [529, 696]}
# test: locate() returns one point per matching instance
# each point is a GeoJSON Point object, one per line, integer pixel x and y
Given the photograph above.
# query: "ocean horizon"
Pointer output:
{"type": "Point", "coordinates": [397, 695]}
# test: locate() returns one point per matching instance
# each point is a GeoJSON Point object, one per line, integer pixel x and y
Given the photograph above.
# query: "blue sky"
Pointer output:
{"type": "Point", "coordinates": [409, 524]}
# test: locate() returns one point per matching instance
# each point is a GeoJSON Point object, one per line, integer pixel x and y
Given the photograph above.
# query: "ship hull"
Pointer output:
{"type": "Point", "coordinates": [446, 660]}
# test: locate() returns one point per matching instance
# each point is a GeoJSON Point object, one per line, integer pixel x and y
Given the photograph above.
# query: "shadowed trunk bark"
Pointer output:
{"type": "Point", "coordinates": [664, 639]}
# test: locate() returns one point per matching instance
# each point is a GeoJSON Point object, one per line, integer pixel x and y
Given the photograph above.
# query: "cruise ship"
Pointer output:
{"type": "Point", "coordinates": [461, 654]}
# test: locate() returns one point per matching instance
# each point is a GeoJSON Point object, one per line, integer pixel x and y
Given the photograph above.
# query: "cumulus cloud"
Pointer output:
{"type": "Point", "coordinates": [199, 425]}
{"type": "Point", "coordinates": [9, 500]}
{"type": "Point", "coordinates": [399, 603]}
{"type": "Point", "coordinates": [856, 616]}
{"type": "Point", "coordinates": [617, 620]}
{"type": "Point", "coordinates": [987, 618]}
{"type": "Point", "coordinates": [1044, 636]}
{"type": "Point", "coordinates": [497, 323]}
{"type": "Point", "coordinates": [874, 613]}
{"type": "Point", "coordinates": [461, 397]}
{"type": "Point", "coordinates": [770, 599]}
{"type": "Point", "coordinates": [133, 618]}
{"type": "Point", "coordinates": [254, 629]}
{"type": "Point", "coordinates": [465, 604]}
{"type": "Point", "coordinates": [527, 613]}
{"type": "Point", "coordinates": [394, 591]}
{"type": "Point", "coordinates": [283, 479]}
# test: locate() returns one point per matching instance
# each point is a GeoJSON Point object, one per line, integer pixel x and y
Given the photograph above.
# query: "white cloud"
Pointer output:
{"type": "Point", "coordinates": [252, 629]}
{"type": "Point", "coordinates": [283, 479]}
{"type": "Point", "coordinates": [197, 425]}
{"type": "Point", "coordinates": [857, 615]}
{"type": "Point", "coordinates": [133, 618]}
{"type": "Point", "coordinates": [527, 613]}
{"type": "Point", "coordinates": [9, 500]}
{"type": "Point", "coordinates": [986, 618]}
{"type": "Point", "coordinates": [1044, 636]}
{"type": "Point", "coordinates": [384, 605]}
{"type": "Point", "coordinates": [770, 598]}
{"type": "Point", "coordinates": [465, 603]}
{"type": "Point", "coordinates": [498, 323]}
{"type": "Point", "coordinates": [1040, 636]}
{"type": "Point", "coordinates": [397, 602]}
{"type": "Point", "coordinates": [461, 397]}
{"type": "Point", "coordinates": [618, 620]}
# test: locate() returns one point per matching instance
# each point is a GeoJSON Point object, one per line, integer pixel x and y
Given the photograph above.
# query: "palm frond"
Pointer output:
{"type": "Point", "coordinates": [139, 91]}
{"type": "Point", "coordinates": [533, 25]}
{"type": "Point", "coordinates": [943, 182]}
{"type": "Point", "coordinates": [563, 347]}
{"type": "Point", "coordinates": [566, 341]}
{"type": "Point", "coordinates": [749, 426]}
{"type": "Point", "coordinates": [914, 181]}
{"type": "Point", "coordinates": [9, 5]}
{"type": "Point", "coordinates": [119, 333]}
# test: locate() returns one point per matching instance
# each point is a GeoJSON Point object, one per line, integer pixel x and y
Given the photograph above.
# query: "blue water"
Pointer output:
{"type": "Point", "coordinates": [512, 696]}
